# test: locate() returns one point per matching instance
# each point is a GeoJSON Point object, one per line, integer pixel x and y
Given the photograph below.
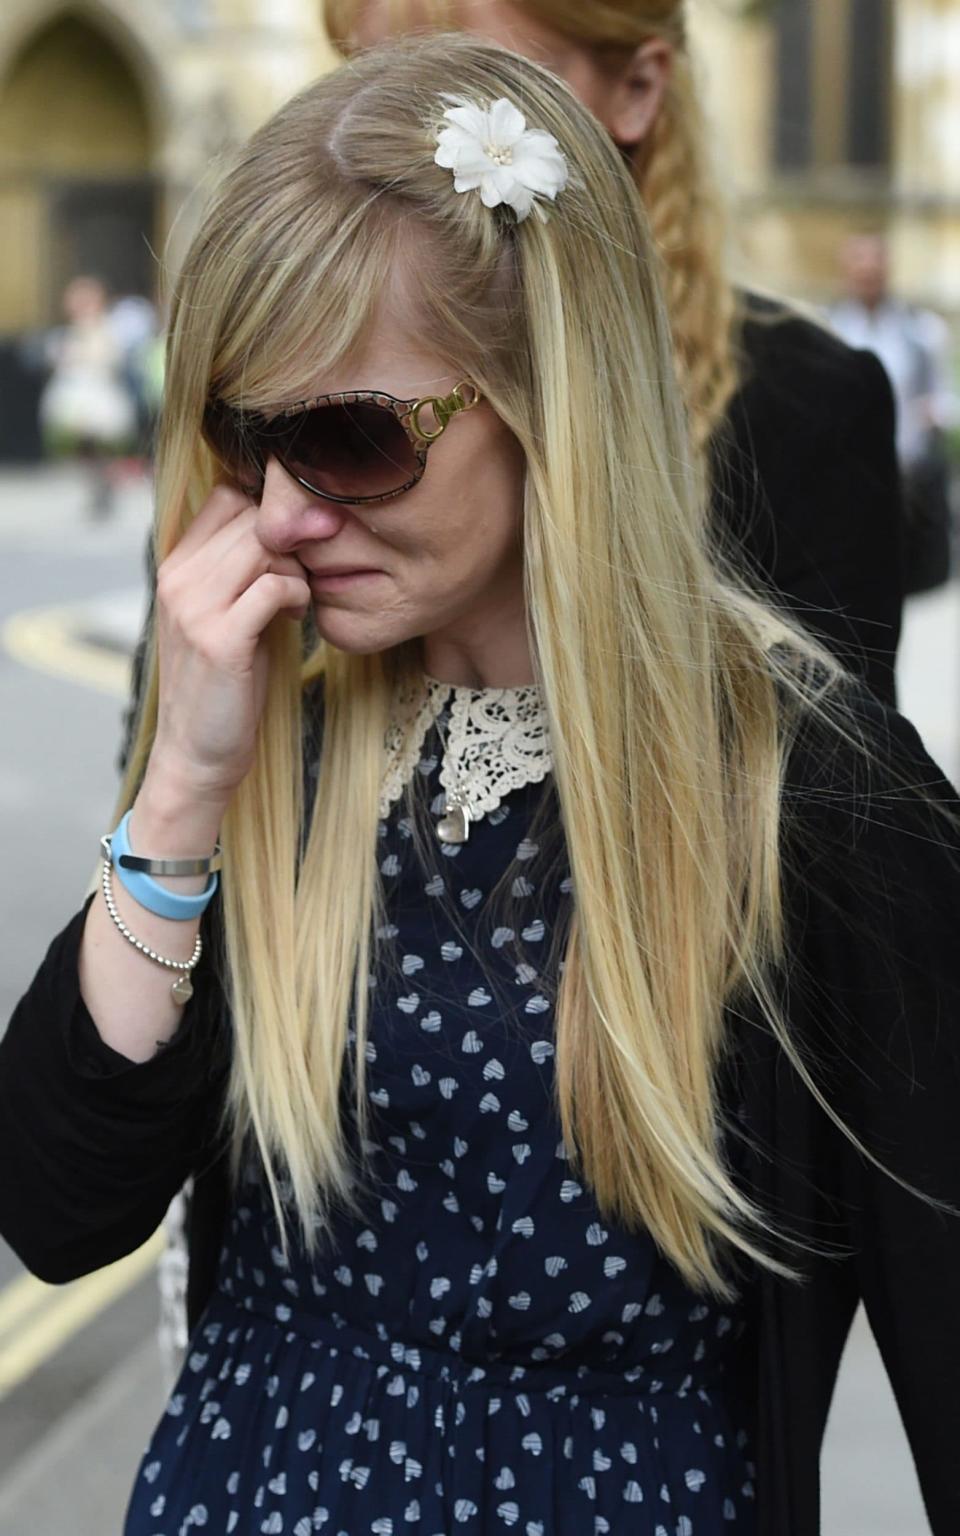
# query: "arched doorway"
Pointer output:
{"type": "Point", "coordinates": [77, 193]}
{"type": "Point", "coordinates": [76, 181]}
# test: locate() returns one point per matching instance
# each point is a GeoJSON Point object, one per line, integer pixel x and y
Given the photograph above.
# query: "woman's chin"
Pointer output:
{"type": "Point", "coordinates": [355, 633]}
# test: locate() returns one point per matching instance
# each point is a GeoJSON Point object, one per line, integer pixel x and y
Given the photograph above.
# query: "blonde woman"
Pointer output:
{"type": "Point", "coordinates": [562, 1029]}
{"type": "Point", "coordinates": [798, 429]}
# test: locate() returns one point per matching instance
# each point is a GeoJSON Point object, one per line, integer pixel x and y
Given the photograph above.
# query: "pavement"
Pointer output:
{"type": "Point", "coordinates": [76, 1476]}
{"type": "Point", "coordinates": [72, 1472]}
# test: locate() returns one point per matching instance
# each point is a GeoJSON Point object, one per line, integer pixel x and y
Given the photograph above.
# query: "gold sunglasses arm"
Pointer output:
{"type": "Point", "coordinates": [463, 397]}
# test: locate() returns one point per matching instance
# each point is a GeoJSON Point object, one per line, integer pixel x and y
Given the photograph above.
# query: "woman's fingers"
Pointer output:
{"type": "Point", "coordinates": [222, 569]}
{"type": "Point", "coordinates": [222, 507]}
{"type": "Point", "coordinates": [269, 595]}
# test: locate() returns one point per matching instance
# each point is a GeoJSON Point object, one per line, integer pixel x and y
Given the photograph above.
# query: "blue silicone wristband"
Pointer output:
{"type": "Point", "coordinates": [148, 892]}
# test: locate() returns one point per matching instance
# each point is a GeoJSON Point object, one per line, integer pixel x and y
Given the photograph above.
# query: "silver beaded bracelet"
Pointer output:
{"type": "Point", "coordinates": [182, 988]}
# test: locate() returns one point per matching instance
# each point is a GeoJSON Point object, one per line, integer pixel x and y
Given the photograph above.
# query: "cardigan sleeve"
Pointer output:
{"type": "Point", "coordinates": [881, 970]}
{"type": "Point", "coordinates": [93, 1147]}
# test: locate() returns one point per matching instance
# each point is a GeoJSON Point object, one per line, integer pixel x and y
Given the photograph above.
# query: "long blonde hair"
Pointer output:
{"type": "Point", "coordinates": [673, 173]}
{"type": "Point", "coordinates": [662, 690]}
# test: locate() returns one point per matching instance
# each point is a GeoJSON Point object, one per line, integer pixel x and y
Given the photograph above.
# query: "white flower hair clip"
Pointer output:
{"type": "Point", "coordinates": [492, 149]}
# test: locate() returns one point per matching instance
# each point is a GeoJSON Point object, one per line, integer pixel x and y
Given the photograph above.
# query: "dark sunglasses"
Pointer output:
{"type": "Point", "coordinates": [364, 446]}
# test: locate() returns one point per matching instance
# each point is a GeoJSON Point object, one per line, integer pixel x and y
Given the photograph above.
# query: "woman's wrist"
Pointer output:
{"type": "Point", "coordinates": [169, 820]}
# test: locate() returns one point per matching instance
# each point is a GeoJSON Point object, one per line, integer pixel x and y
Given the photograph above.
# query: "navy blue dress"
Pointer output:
{"type": "Point", "coordinates": [480, 1352]}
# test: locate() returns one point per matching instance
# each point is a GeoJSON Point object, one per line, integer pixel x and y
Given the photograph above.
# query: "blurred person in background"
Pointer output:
{"type": "Point", "coordinates": [796, 428]}
{"type": "Point", "coordinates": [913, 345]}
{"type": "Point", "coordinates": [133, 320]}
{"type": "Point", "coordinates": [87, 409]}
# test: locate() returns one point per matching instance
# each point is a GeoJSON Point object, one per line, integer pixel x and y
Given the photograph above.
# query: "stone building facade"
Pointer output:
{"type": "Point", "coordinates": [112, 115]}
{"type": "Point", "coordinates": [834, 115]}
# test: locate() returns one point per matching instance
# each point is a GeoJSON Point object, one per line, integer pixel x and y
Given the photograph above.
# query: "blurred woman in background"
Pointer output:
{"type": "Point", "coordinates": [797, 428]}
{"type": "Point", "coordinates": [87, 410]}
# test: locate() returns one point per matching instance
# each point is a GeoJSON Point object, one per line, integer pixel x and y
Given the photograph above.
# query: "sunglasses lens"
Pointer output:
{"type": "Point", "coordinates": [234, 444]}
{"type": "Point", "coordinates": [354, 452]}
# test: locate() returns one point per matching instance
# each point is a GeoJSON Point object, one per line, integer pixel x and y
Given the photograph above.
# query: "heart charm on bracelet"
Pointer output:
{"type": "Point", "coordinates": [182, 989]}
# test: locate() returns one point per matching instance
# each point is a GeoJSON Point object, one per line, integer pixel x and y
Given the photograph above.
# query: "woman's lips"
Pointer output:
{"type": "Point", "coordinates": [335, 579]}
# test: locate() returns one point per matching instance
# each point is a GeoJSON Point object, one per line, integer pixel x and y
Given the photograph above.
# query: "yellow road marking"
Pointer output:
{"type": "Point", "coordinates": [36, 1318]}
{"type": "Point", "coordinates": [21, 1296]}
{"type": "Point", "coordinates": [45, 639]}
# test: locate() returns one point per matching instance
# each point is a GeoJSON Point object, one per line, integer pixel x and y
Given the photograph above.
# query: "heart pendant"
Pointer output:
{"type": "Point", "coordinates": [454, 827]}
{"type": "Point", "coordinates": [182, 989]}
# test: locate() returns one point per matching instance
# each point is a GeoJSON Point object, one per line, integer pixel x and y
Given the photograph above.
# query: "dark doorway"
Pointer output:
{"type": "Point", "coordinates": [105, 228]}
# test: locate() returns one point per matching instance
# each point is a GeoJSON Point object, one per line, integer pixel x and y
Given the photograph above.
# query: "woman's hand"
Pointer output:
{"type": "Point", "coordinates": [217, 592]}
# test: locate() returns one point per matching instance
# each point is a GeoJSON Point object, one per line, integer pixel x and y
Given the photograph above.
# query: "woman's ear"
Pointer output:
{"type": "Point", "coordinates": [637, 92]}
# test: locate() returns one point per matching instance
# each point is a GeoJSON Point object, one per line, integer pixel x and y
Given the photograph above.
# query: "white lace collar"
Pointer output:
{"type": "Point", "coordinates": [496, 741]}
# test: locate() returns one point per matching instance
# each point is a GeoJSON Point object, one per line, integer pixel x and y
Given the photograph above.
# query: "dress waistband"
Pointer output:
{"type": "Point", "coordinates": [556, 1380]}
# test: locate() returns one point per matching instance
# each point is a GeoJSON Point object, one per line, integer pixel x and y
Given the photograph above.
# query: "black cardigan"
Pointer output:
{"type": "Point", "coordinates": [92, 1147]}
{"type": "Point", "coordinates": [806, 488]}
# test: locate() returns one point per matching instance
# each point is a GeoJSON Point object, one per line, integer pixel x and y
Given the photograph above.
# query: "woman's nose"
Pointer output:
{"type": "Point", "coordinates": [290, 515]}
